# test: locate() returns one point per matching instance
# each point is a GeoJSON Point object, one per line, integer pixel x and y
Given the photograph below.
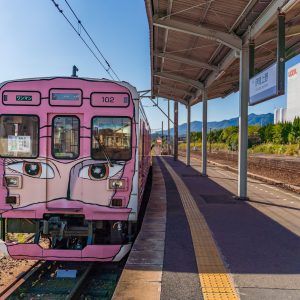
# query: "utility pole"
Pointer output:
{"type": "Point", "coordinates": [209, 140]}
{"type": "Point", "coordinates": [169, 138]}
{"type": "Point", "coordinates": [162, 136]}
{"type": "Point", "coordinates": [175, 130]}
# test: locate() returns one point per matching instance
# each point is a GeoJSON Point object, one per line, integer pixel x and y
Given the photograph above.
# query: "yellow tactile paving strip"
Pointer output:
{"type": "Point", "coordinates": [215, 282]}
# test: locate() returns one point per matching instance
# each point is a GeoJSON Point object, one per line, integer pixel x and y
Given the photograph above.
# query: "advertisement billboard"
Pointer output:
{"type": "Point", "coordinates": [293, 92]}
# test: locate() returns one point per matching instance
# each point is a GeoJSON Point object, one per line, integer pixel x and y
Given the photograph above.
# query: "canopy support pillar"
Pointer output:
{"type": "Point", "coordinates": [175, 130]}
{"type": "Point", "coordinates": [204, 133]}
{"type": "Point", "coordinates": [243, 123]}
{"type": "Point", "coordinates": [188, 136]}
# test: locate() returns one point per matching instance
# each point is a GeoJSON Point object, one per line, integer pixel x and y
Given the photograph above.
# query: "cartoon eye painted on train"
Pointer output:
{"type": "Point", "coordinates": [33, 169]}
{"type": "Point", "coordinates": [99, 171]}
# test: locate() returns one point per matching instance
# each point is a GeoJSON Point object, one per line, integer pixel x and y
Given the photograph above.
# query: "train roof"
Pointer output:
{"type": "Point", "coordinates": [131, 88]}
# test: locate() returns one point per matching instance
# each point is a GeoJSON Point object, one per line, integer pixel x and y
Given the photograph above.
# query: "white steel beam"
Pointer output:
{"type": "Point", "coordinates": [270, 36]}
{"type": "Point", "coordinates": [197, 84]}
{"type": "Point", "coordinates": [196, 96]}
{"type": "Point", "coordinates": [188, 61]}
{"type": "Point", "coordinates": [174, 90]}
{"type": "Point", "coordinates": [169, 10]}
{"type": "Point", "coordinates": [171, 97]}
{"type": "Point", "coordinates": [266, 18]}
{"type": "Point", "coordinates": [228, 39]}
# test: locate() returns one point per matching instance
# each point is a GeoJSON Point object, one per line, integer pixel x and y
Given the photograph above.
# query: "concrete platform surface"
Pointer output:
{"type": "Point", "coordinates": [197, 242]}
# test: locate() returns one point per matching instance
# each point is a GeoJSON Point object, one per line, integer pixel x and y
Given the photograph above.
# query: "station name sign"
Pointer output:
{"type": "Point", "coordinates": [264, 85]}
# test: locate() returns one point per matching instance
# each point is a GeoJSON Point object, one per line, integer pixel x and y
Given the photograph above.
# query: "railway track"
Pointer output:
{"type": "Point", "coordinates": [44, 281]}
{"type": "Point", "coordinates": [258, 168]}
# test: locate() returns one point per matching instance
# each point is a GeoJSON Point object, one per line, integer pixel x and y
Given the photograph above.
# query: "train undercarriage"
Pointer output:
{"type": "Point", "coordinates": [61, 231]}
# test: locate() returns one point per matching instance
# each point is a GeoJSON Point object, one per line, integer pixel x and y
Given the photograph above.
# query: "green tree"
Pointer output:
{"type": "Point", "coordinates": [266, 133]}
{"type": "Point", "coordinates": [296, 127]}
{"type": "Point", "coordinates": [277, 133]}
{"type": "Point", "coordinates": [227, 133]}
{"type": "Point", "coordinates": [253, 135]}
{"type": "Point", "coordinates": [196, 136]}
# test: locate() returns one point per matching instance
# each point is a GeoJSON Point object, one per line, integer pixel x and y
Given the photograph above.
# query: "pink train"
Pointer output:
{"type": "Point", "coordinates": [75, 155]}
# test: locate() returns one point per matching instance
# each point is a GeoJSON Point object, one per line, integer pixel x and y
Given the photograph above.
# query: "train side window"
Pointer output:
{"type": "Point", "coordinates": [19, 136]}
{"type": "Point", "coordinates": [65, 137]}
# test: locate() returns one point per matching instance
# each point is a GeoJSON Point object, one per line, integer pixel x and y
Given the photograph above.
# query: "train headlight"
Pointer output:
{"type": "Point", "coordinates": [12, 181]}
{"type": "Point", "coordinates": [117, 184]}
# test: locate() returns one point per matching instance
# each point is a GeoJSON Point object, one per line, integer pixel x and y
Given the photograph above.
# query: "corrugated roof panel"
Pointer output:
{"type": "Point", "coordinates": [220, 14]}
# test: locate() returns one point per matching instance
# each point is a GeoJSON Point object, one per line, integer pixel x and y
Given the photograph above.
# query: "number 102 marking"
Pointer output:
{"type": "Point", "coordinates": [108, 99]}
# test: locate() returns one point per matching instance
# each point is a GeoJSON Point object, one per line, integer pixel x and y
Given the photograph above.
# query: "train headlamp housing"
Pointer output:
{"type": "Point", "coordinates": [13, 181]}
{"type": "Point", "coordinates": [117, 184]}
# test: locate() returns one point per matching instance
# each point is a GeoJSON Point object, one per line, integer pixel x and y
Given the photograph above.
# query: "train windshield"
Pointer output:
{"type": "Point", "coordinates": [65, 137]}
{"type": "Point", "coordinates": [19, 136]}
{"type": "Point", "coordinates": [113, 136]}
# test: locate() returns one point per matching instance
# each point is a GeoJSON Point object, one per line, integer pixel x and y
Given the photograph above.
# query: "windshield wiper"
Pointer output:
{"type": "Point", "coordinates": [104, 150]}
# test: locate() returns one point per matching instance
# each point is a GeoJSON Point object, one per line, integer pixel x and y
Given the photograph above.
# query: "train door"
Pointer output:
{"type": "Point", "coordinates": [63, 152]}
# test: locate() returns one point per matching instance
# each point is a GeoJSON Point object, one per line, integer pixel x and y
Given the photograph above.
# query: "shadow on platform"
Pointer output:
{"type": "Point", "coordinates": [250, 241]}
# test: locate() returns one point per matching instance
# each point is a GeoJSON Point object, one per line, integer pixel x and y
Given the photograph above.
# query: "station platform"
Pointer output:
{"type": "Point", "coordinates": [198, 242]}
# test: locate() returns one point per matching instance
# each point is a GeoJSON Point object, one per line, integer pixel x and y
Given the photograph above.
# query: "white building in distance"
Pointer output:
{"type": "Point", "coordinates": [293, 93]}
{"type": "Point", "coordinates": [279, 115]}
{"type": "Point", "coordinates": [292, 110]}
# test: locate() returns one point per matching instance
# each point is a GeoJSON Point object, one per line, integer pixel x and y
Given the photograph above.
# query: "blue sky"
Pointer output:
{"type": "Point", "coordinates": [37, 41]}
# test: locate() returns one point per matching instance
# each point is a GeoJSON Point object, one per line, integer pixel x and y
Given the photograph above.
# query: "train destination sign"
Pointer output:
{"type": "Point", "coordinates": [23, 98]}
{"type": "Point", "coordinates": [110, 99]}
{"type": "Point", "coordinates": [264, 85]}
{"type": "Point", "coordinates": [66, 96]}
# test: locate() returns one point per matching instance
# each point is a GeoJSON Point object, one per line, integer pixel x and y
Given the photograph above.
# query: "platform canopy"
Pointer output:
{"type": "Point", "coordinates": [195, 44]}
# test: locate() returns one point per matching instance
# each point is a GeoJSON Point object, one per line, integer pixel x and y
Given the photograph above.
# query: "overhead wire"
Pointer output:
{"type": "Point", "coordinates": [81, 26]}
{"type": "Point", "coordinates": [89, 36]}
{"type": "Point", "coordinates": [108, 68]}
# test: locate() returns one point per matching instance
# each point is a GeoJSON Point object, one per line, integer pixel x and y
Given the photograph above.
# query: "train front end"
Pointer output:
{"type": "Point", "coordinates": [69, 175]}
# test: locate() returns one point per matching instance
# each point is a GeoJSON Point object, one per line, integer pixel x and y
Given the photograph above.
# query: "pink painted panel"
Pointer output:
{"type": "Point", "coordinates": [66, 254]}
{"type": "Point", "coordinates": [21, 98]}
{"type": "Point", "coordinates": [25, 250]}
{"type": "Point", "coordinates": [89, 253]}
{"type": "Point", "coordinates": [20, 213]}
{"type": "Point", "coordinates": [101, 251]}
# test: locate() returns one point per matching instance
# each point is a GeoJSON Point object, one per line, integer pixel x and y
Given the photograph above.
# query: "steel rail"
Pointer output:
{"type": "Point", "coordinates": [20, 279]}
{"type": "Point", "coordinates": [76, 289]}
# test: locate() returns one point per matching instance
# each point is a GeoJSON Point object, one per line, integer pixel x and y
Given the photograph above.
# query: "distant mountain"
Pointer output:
{"type": "Point", "coordinates": [253, 119]}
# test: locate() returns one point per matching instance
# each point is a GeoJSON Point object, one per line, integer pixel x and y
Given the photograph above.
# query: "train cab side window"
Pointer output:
{"type": "Point", "coordinates": [65, 137]}
{"type": "Point", "coordinates": [19, 136]}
